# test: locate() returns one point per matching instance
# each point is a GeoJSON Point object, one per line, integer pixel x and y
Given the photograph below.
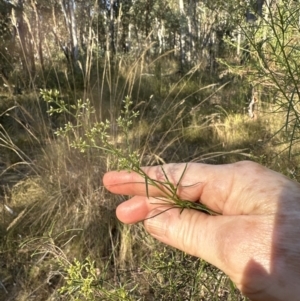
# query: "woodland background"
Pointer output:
{"type": "Point", "coordinates": [213, 81]}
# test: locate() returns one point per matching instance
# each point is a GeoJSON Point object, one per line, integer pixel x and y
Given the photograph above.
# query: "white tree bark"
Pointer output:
{"type": "Point", "coordinates": [68, 8]}
{"type": "Point", "coordinates": [112, 45]}
{"type": "Point", "coordinates": [73, 27]}
{"type": "Point", "coordinates": [182, 33]}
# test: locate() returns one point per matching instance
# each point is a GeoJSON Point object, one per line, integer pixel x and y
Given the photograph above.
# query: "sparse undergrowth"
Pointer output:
{"type": "Point", "coordinates": [61, 239]}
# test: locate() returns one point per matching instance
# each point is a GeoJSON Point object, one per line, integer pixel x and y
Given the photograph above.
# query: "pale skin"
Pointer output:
{"type": "Point", "coordinates": [255, 240]}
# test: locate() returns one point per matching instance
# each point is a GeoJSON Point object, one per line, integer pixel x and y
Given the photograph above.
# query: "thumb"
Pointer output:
{"type": "Point", "coordinates": [220, 240]}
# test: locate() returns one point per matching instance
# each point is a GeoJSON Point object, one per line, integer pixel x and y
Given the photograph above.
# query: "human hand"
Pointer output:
{"type": "Point", "coordinates": [256, 240]}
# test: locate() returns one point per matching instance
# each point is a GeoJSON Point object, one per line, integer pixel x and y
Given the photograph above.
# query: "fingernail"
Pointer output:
{"type": "Point", "coordinates": [157, 221]}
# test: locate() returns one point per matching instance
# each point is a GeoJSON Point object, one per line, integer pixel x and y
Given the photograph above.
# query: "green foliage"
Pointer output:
{"type": "Point", "coordinates": [95, 135]}
{"type": "Point", "coordinates": [177, 276]}
{"type": "Point", "coordinates": [270, 57]}
{"type": "Point", "coordinates": [5, 10]}
{"type": "Point", "coordinates": [83, 281]}
{"type": "Point", "coordinates": [278, 65]}
{"type": "Point", "coordinates": [80, 277]}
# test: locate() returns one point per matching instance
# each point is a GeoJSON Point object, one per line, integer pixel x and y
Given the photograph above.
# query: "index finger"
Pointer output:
{"type": "Point", "coordinates": [187, 179]}
{"type": "Point", "coordinates": [159, 181]}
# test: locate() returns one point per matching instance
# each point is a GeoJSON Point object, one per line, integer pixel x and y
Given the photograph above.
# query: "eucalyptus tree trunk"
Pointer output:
{"type": "Point", "coordinates": [112, 44]}
{"type": "Point", "coordinates": [191, 30]}
{"type": "Point", "coordinates": [129, 37]}
{"type": "Point", "coordinates": [68, 8]}
{"type": "Point", "coordinates": [39, 35]}
{"type": "Point", "coordinates": [161, 36]}
{"type": "Point", "coordinates": [25, 39]}
{"type": "Point", "coordinates": [239, 40]}
{"type": "Point", "coordinates": [182, 34]}
{"type": "Point", "coordinates": [73, 30]}
{"type": "Point", "coordinates": [30, 45]}
{"type": "Point", "coordinates": [267, 10]}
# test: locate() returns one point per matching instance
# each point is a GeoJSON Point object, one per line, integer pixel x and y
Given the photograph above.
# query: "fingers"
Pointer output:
{"type": "Point", "coordinates": [188, 180]}
{"type": "Point", "coordinates": [124, 182]}
{"type": "Point", "coordinates": [229, 189]}
{"type": "Point", "coordinates": [136, 209]}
